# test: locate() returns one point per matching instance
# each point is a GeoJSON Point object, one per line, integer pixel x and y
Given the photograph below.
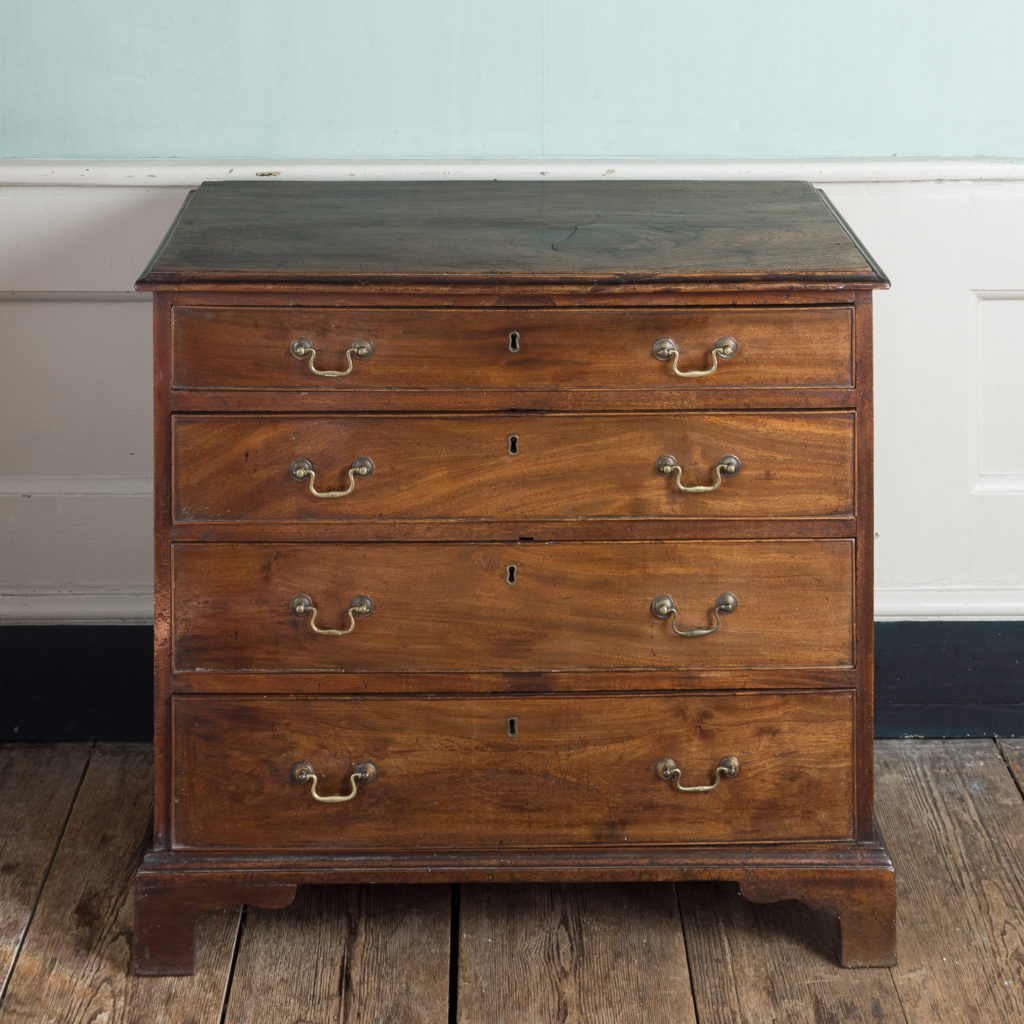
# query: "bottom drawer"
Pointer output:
{"type": "Point", "coordinates": [525, 771]}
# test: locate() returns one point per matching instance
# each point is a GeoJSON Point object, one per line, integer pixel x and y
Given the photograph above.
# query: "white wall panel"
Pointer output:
{"type": "Point", "coordinates": [999, 401]}
{"type": "Point", "coordinates": [73, 555]}
{"type": "Point", "coordinates": [93, 239]}
{"type": "Point", "coordinates": [77, 398]}
{"type": "Point", "coordinates": [922, 502]}
{"type": "Point", "coordinates": [996, 429]}
{"type": "Point", "coordinates": [995, 253]}
{"type": "Point", "coordinates": [76, 477]}
{"type": "Point", "coordinates": [75, 465]}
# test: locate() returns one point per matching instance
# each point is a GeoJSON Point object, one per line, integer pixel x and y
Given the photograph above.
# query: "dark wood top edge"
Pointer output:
{"type": "Point", "coordinates": [148, 272]}
{"type": "Point", "coordinates": [883, 280]}
{"type": "Point", "coordinates": [166, 282]}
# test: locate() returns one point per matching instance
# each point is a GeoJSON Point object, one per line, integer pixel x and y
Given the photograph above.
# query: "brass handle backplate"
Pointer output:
{"type": "Point", "coordinates": [302, 469]}
{"type": "Point", "coordinates": [360, 606]}
{"type": "Point", "coordinates": [667, 769]}
{"type": "Point", "coordinates": [302, 348]}
{"type": "Point", "coordinates": [727, 465]}
{"type": "Point", "coordinates": [664, 607]}
{"type": "Point", "coordinates": [364, 772]}
{"type": "Point", "coordinates": [666, 349]}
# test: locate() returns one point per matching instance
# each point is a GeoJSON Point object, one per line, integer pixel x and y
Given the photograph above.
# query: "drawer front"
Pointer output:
{"type": "Point", "coordinates": [537, 770]}
{"type": "Point", "coordinates": [541, 466]}
{"type": "Point", "coordinates": [451, 350]}
{"type": "Point", "coordinates": [512, 607]}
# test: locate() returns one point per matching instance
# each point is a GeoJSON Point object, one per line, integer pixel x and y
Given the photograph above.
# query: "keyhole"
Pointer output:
{"type": "Point", "coordinates": [513, 444]}
{"type": "Point", "coordinates": [513, 341]}
{"type": "Point", "coordinates": [511, 574]}
{"type": "Point", "coordinates": [512, 728]}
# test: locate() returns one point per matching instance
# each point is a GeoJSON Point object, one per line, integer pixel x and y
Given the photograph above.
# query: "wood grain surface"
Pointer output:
{"type": "Point", "coordinates": [541, 466]}
{"type": "Point", "coordinates": [572, 606]}
{"type": "Point", "coordinates": [578, 954]}
{"type": "Point", "coordinates": [537, 771]}
{"type": "Point", "coordinates": [438, 350]}
{"type": "Point", "coordinates": [753, 963]}
{"type": "Point", "coordinates": [37, 788]}
{"type": "Point", "coordinates": [952, 813]}
{"type": "Point", "coordinates": [954, 823]}
{"type": "Point", "coordinates": [1013, 753]}
{"type": "Point", "coordinates": [346, 954]}
{"type": "Point", "coordinates": [955, 827]}
{"type": "Point", "coordinates": [74, 966]}
{"type": "Point", "coordinates": [638, 231]}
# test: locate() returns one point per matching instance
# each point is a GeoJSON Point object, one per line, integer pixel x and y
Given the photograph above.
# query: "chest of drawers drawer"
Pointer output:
{"type": "Point", "coordinates": [539, 466]}
{"type": "Point", "coordinates": [576, 538]}
{"type": "Point", "coordinates": [511, 350]}
{"type": "Point", "coordinates": [512, 607]}
{"type": "Point", "coordinates": [554, 771]}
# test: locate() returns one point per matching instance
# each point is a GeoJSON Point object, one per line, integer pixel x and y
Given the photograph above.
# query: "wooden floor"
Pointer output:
{"type": "Point", "coordinates": [74, 821]}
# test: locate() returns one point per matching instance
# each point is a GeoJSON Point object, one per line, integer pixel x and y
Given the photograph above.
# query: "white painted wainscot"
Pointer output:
{"type": "Point", "coordinates": [75, 394]}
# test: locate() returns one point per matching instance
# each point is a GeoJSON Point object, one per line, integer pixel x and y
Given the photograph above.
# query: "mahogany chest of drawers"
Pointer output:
{"type": "Point", "coordinates": [512, 531]}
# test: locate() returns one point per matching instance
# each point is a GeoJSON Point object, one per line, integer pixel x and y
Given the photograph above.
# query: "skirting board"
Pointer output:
{"type": "Point", "coordinates": [80, 683]}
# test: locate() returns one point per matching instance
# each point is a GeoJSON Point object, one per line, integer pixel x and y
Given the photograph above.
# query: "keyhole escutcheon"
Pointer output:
{"type": "Point", "coordinates": [513, 444]}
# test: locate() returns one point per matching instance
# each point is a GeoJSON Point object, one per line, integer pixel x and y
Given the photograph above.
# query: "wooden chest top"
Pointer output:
{"type": "Point", "coordinates": [594, 232]}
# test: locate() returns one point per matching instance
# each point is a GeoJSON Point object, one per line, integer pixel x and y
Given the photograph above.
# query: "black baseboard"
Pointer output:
{"type": "Point", "coordinates": [64, 683]}
{"type": "Point", "coordinates": [950, 678]}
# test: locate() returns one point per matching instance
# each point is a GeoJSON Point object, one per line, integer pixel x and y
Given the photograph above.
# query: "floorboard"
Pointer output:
{"type": "Point", "coordinates": [575, 954]}
{"type": "Point", "coordinates": [74, 964]}
{"type": "Point", "coordinates": [954, 823]}
{"type": "Point", "coordinates": [37, 787]}
{"type": "Point", "coordinates": [1013, 754]}
{"type": "Point", "coordinates": [346, 954]}
{"type": "Point", "coordinates": [757, 963]}
{"type": "Point", "coordinates": [76, 821]}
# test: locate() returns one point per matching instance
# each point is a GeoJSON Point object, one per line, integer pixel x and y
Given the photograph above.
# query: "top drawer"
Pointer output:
{"type": "Point", "coordinates": [307, 349]}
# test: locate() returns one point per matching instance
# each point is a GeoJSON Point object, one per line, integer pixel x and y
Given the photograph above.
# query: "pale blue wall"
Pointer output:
{"type": "Point", "coordinates": [235, 79]}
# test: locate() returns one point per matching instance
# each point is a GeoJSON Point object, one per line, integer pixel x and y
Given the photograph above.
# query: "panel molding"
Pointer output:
{"type": "Point", "coordinates": [182, 173]}
{"type": "Point", "coordinates": [46, 486]}
{"type": "Point", "coordinates": [93, 607]}
{"type": "Point", "coordinates": [986, 482]}
{"type": "Point", "coordinates": [970, 603]}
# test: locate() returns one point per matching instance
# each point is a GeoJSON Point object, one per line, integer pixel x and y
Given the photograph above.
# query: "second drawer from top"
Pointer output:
{"type": "Point", "coordinates": [527, 466]}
